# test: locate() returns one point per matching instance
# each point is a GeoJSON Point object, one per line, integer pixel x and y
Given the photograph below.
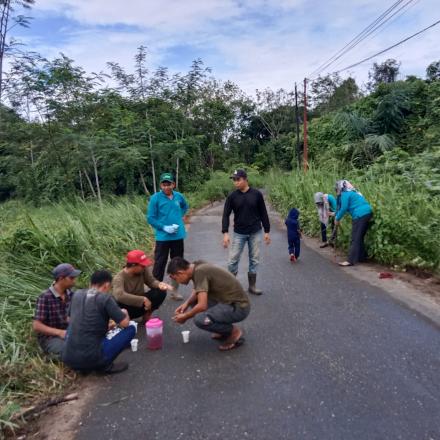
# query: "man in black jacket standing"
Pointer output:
{"type": "Point", "coordinates": [249, 214]}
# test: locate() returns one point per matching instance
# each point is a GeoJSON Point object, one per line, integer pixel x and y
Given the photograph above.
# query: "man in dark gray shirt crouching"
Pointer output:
{"type": "Point", "coordinates": [90, 311]}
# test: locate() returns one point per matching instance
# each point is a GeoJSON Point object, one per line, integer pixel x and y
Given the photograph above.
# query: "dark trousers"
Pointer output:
{"type": "Point", "coordinates": [324, 229]}
{"type": "Point", "coordinates": [294, 243]}
{"type": "Point", "coordinates": [156, 296]}
{"type": "Point", "coordinates": [173, 248]}
{"type": "Point", "coordinates": [219, 318]}
{"type": "Point", "coordinates": [359, 228]}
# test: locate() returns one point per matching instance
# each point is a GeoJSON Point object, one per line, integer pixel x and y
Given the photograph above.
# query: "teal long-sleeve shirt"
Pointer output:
{"type": "Point", "coordinates": [163, 211]}
{"type": "Point", "coordinates": [332, 202]}
{"type": "Point", "coordinates": [353, 203]}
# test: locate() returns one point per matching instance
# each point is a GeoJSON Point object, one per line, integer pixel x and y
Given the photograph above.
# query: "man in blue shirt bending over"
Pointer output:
{"type": "Point", "coordinates": [165, 214]}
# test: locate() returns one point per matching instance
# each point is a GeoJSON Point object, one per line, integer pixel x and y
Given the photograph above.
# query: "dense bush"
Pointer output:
{"type": "Point", "coordinates": [406, 226]}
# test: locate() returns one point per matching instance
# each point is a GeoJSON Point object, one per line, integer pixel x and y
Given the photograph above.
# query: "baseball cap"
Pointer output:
{"type": "Point", "coordinates": [138, 257]}
{"type": "Point", "coordinates": [65, 270]}
{"type": "Point", "coordinates": [166, 177]}
{"type": "Point", "coordinates": [237, 174]}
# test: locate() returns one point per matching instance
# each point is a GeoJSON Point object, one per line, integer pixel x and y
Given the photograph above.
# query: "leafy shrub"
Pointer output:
{"type": "Point", "coordinates": [406, 226]}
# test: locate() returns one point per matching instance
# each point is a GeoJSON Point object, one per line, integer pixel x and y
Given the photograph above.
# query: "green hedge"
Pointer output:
{"type": "Point", "coordinates": [406, 228]}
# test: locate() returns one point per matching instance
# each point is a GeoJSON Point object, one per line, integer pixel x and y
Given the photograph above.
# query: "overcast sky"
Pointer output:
{"type": "Point", "coordinates": [255, 43]}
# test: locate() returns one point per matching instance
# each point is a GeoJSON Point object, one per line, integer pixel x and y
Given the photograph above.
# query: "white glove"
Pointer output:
{"type": "Point", "coordinates": [170, 229]}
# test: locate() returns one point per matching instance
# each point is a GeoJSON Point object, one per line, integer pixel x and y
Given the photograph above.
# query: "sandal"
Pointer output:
{"type": "Point", "coordinates": [232, 345]}
{"type": "Point", "coordinates": [345, 264]}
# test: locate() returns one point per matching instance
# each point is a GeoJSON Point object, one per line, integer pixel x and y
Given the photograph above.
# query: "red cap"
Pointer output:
{"type": "Point", "coordinates": [138, 257]}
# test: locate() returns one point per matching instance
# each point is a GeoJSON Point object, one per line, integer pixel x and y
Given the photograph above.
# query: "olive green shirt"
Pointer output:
{"type": "Point", "coordinates": [130, 289]}
{"type": "Point", "coordinates": [220, 284]}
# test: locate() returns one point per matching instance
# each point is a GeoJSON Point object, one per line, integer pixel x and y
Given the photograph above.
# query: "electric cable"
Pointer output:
{"type": "Point", "coordinates": [366, 35]}
{"type": "Point", "coordinates": [360, 35]}
{"type": "Point", "coordinates": [389, 48]}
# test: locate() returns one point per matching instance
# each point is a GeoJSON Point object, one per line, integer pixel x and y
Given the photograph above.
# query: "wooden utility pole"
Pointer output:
{"type": "Point", "coordinates": [305, 152]}
{"type": "Point", "coordinates": [298, 146]}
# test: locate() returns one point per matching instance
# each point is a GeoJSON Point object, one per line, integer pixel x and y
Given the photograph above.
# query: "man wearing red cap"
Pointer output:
{"type": "Point", "coordinates": [129, 286]}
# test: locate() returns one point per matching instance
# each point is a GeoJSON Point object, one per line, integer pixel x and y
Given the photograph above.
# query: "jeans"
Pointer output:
{"type": "Point", "coordinates": [53, 346]}
{"type": "Point", "coordinates": [238, 241]}
{"type": "Point", "coordinates": [112, 347]}
{"type": "Point", "coordinates": [220, 317]}
{"type": "Point", "coordinates": [358, 230]}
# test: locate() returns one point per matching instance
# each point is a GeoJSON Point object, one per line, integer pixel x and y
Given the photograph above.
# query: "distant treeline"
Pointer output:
{"type": "Point", "coordinates": [64, 132]}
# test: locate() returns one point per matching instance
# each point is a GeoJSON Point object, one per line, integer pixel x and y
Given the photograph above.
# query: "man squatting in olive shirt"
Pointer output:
{"type": "Point", "coordinates": [129, 286]}
{"type": "Point", "coordinates": [217, 301]}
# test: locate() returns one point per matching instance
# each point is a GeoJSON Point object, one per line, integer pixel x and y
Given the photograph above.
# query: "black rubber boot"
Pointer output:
{"type": "Point", "coordinates": [252, 278]}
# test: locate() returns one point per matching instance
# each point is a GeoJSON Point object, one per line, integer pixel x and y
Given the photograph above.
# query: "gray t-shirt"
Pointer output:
{"type": "Point", "coordinates": [89, 314]}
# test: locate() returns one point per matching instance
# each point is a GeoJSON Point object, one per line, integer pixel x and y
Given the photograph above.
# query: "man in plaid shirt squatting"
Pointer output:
{"type": "Point", "coordinates": [50, 320]}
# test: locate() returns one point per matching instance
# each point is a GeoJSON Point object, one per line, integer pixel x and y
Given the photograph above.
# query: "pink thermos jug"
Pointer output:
{"type": "Point", "coordinates": [154, 329]}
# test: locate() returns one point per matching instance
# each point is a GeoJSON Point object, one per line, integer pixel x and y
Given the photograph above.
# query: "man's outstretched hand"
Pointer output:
{"type": "Point", "coordinates": [165, 286]}
{"type": "Point", "coordinates": [180, 318]}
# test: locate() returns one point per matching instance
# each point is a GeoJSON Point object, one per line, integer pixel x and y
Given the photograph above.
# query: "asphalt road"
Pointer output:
{"type": "Point", "coordinates": [326, 357]}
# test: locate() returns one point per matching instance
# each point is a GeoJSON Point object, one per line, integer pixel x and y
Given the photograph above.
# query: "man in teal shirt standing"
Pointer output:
{"type": "Point", "coordinates": [165, 214]}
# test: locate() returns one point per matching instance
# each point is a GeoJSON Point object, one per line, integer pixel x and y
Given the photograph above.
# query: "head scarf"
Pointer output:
{"type": "Point", "coordinates": [343, 185]}
{"type": "Point", "coordinates": [323, 207]}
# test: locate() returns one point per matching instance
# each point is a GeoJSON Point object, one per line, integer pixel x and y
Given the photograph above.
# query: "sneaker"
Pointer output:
{"type": "Point", "coordinates": [115, 368]}
{"type": "Point", "coordinates": [324, 245]}
{"type": "Point", "coordinates": [176, 296]}
{"type": "Point", "coordinates": [292, 258]}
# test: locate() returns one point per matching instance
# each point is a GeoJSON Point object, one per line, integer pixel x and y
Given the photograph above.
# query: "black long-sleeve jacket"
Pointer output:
{"type": "Point", "coordinates": [249, 212]}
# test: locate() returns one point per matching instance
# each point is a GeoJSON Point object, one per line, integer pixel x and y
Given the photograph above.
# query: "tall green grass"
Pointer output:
{"type": "Point", "coordinates": [406, 227]}
{"type": "Point", "coordinates": [34, 240]}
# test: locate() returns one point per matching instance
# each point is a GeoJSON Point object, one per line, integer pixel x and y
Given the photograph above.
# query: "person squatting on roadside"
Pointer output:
{"type": "Point", "coordinates": [165, 214]}
{"type": "Point", "coordinates": [50, 319]}
{"type": "Point", "coordinates": [326, 206]}
{"type": "Point", "coordinates": [129, 286]}
{"type": "Point", "coordinates": [293, 234]}
{"type": "Point", "coordinates": [87, 347]}
{"type": "Point", "coordinates": [250, 213]}
{"type": "Point", "coordinates": [352, 201]}
{"type": "Point", "coordinates": [217, 302]}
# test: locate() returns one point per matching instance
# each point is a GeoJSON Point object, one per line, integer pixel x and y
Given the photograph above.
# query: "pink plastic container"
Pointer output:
{"type": "Point", "coordinates": [154, 329]}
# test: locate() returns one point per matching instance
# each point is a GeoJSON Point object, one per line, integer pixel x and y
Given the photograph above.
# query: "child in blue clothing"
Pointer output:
{"type": "Point", "coordinates": [293, 234]}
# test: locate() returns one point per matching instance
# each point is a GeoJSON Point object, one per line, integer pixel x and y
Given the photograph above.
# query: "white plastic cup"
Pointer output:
{"type": "Point", "coordinates": [134, 324]}
{"type": "Point", "coordinates": [185, 336]}
{"type": "Point", "coordinates": [134, 344]}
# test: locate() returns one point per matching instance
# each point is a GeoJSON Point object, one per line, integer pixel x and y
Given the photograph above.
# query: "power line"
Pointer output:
{"type": "Point", "coordinates": [380, 29]}
{"type": "Point", "coordinates": [389, 48]}
{"type": "Point", "coordinates": [359, 36]}
{"type": "Point", "coordinates": [366, 34]}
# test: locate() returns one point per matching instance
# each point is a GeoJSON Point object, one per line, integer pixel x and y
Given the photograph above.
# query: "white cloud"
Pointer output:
{"type": "Point", "coordinates": [146, 14]}
{"type": "Point", "coordinates": [256, 43]}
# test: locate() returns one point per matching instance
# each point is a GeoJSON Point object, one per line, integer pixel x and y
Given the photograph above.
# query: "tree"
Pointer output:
{"type": "Point", "coordinates": [7, 22]}
{"type": "Point", "coordinates": [322, 89]}
{"type": "Point", "coordinates": [386, 72]}
{"type": "Point", "coordinates": [433, 71]}
{"type": "Point", "coordinates": [275, 110]}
